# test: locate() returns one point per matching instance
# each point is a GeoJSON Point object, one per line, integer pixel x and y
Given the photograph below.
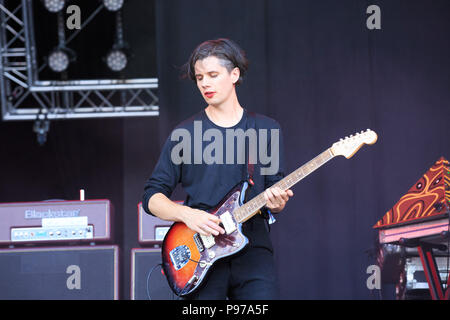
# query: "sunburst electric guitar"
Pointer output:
{"type": "Point", "coordinates": [187, 256]}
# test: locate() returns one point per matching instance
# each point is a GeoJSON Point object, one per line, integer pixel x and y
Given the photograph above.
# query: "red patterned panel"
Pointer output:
{"type": "Point", "coordinates": [429, 197]}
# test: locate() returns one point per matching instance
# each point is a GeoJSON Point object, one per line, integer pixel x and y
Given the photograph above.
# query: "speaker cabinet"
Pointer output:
{"type": "Point", "coordinates": [59, 273]}
{"type": "Point", "coordinates": [147, 279]}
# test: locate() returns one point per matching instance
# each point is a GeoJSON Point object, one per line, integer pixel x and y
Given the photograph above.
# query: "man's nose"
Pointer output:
{"type": "Point", "coordinates": [205, 83]}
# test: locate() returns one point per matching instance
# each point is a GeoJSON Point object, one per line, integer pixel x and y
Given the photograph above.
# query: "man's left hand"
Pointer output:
{"type": "Point", "coordinates": [276, 198]}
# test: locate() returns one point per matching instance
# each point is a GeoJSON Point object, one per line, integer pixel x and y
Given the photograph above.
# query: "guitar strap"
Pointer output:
{"type": "Point", "coordinates": [248, 176]}
{"type": "Point", "coordinates": [251, 123]}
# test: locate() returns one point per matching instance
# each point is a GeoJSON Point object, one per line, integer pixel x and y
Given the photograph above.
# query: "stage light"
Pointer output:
{"type": "Point", "coordinates": [54, 5]}
{"type": "Point", "coordinates": [113, 5]}
{"type": "Point", "coordinates": [117, 57]}
{"type": "Point", "coordinates": [116, 60]}
{"type": "Point", "coordinates": [58, 60]}
{"type": "Point", "coordinates": [41, 128]}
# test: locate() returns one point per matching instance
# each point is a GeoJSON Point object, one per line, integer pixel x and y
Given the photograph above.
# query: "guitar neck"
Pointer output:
{"type": "Point", "coordinates": [249, 209]}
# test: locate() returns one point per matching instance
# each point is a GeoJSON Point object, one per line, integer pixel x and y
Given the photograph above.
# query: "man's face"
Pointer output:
{"type": "Point", "coordinates": [214, 81]}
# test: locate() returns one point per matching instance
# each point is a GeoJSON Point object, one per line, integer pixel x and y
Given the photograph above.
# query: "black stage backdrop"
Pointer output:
{"type": "Point", "coordinates": [318, 70]}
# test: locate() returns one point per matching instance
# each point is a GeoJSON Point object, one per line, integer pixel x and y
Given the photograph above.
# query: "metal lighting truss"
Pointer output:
{"type": "Point", "coordinates": [25, 97]}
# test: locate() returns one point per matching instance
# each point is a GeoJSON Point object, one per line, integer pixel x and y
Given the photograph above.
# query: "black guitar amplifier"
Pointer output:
{"type": "Point", "coordinates": [59, 273]}
{"type": "Point", "coordinates": [151, 229]}
{"type": "Point", "coordinates": [72, 222]}
{"type": "Point", "coordinates": [147, 280]}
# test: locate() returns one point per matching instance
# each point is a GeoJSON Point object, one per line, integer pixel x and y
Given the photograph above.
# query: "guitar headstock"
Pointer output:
{"type": "Point", "coordinates": [348, 146]}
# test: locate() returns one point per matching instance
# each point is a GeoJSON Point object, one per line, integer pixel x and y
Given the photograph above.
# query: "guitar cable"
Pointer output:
{"type": "Point", "coordinates": [148, 279]}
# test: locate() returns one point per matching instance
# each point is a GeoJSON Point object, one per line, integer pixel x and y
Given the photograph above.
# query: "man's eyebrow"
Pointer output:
{"type": "Point", "coordinates": [209, 72]}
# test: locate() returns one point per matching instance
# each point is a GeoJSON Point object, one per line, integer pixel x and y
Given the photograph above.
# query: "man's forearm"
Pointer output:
{"type": "Point", "coordinates": [164, 208]}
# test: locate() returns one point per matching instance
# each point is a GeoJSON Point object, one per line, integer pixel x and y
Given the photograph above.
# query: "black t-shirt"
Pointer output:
{"type": "Point", "coordinates": [206, 160]}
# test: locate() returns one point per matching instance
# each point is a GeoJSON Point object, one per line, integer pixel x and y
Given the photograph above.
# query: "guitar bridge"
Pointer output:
{"type": "Point", "coordinates": [180, 256]}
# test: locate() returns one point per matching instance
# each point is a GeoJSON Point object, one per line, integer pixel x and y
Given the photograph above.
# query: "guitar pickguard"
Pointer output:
{"type": "Point", "coordinates": [225, 244]}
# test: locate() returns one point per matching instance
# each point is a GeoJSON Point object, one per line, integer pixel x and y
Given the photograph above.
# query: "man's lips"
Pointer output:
{"type": "Point", "coordinates": [209, 94]}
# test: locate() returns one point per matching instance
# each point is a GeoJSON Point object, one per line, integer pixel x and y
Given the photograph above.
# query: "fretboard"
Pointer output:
{"type": "Point", "coordinates": [249, 209]}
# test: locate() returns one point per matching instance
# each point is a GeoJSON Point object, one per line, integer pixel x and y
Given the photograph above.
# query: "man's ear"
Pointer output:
{"type": "Point", "coordinates": [235, 74]}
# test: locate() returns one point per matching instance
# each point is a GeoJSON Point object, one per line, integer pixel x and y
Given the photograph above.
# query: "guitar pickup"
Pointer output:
{"type": "Point", "coordinates": [228, 222]}
{"type": "Point", "coordinates": [198, 242]}
{"type": "Point", "coordinates": [208, 241]}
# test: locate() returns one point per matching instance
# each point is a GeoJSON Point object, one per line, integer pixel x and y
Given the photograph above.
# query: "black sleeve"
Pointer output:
{"type": "Point", "coordinates": [164, 178]}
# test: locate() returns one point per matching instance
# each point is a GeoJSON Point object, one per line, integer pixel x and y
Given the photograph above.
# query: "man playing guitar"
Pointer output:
{"type": "Point", "coordinates": [217, 67]}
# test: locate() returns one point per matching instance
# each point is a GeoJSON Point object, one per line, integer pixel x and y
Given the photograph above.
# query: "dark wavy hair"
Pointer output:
{"type": "Point", "coordinates": [226, 50]}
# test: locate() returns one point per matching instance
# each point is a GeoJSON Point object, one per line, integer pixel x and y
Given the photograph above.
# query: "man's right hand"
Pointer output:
{"type": "Point", "coordinates": [197, 220]}
{"type": "Point", "coordinates": [202, 222]}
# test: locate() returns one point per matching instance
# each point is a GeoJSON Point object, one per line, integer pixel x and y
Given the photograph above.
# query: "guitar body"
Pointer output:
{"type": "Point", "coordinates": [187, 257]}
